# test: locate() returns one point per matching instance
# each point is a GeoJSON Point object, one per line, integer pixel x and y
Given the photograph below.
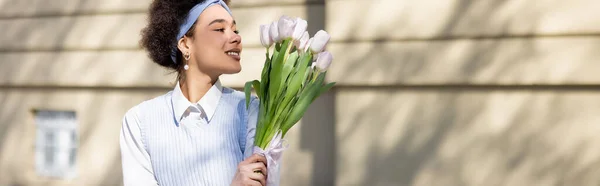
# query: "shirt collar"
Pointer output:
{"type": "Point", "coordinates": [208, 103]}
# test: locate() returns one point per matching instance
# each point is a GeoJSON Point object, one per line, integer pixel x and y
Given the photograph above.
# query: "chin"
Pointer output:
{"type": "Point", "coordinates": [232, 70]}
{"type": "Point", "coordinates": [228, 66]}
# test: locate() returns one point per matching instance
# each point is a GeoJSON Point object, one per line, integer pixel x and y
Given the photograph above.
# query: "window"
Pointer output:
{"type": "Point", "coordinates": [56, 143]}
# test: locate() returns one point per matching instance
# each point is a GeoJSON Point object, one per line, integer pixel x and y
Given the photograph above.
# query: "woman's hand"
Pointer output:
{"type": "Point", "coordinates": [247, 172]}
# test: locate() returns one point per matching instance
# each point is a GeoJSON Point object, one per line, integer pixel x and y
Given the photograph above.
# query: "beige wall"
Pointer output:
{"type": "Point", "coordinates": [429, 92]}
{"type": "Point", "coordinates": [98, 114]}
{"type": "Point", "coordinates": [466, 92]}
{"type": "Point", "coordinates": [467, 137]}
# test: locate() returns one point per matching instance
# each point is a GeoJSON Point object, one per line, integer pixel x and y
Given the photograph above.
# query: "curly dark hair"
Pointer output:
{"type": "Point", "coordinates": [158, 37]}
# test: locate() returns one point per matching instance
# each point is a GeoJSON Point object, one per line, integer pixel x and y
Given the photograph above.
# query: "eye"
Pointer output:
{"type": "Point", "coordinates": [220, 30]}
{"type": "Point", "coordinates": [236, 32]}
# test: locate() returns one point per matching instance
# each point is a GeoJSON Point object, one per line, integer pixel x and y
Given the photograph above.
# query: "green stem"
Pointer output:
{"type": "Point", "coordinates": [315, 74]}
{"type": "Point", "coordinates": [273, 124]}
{"type": "Point", "coordinates": [268, 54]}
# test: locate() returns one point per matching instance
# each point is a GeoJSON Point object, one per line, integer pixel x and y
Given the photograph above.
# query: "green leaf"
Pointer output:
{"type": "Point", "coordinates": [247, 91]}
{"type": "Point", "coordinates": [300, 107]}
{"type": "Point", "coordinates": [287, 68]}
{"type": "Point", "coordinates": [275, 77]}
{"type": "Point", "coordinates": [320, 79]}
{"type": "Point", "coordinates": [286, 76]}
{"type": "Point", "coordinates": [310, 94]}
{"type": "Point", "coordinates": [326, 88]}
{"type": "Point", "coordinates": [260, 126]}
{"type": "Point", "coordinates": [295, 82]}
{"type": "Point", "coordinates": [275, 74]}
{"type": "Point", "coordinates": [323, 89]}
{"type": "Point", "coordinates": [275, 90]}
{"type": "Point", "coordinates": [256, 86]}
{"type": "Point", "coordinates": [264, 82]}
{"type": "Point", "coordinates": [267, 82]}
{"type": "Point", "coordinates": [308, 72]}
{"type": "Point", "coordinates": [263, 118]}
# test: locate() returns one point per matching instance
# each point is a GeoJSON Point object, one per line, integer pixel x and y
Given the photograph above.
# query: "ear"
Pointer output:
{"type": "Point", "coordinates": [184, 44]}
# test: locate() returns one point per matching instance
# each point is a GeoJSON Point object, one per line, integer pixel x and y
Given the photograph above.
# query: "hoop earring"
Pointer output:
{"type": "Point", "coordinates": [187, 56]}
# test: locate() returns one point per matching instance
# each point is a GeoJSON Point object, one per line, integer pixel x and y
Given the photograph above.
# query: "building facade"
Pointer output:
{"type": "Point", "coordinates": [456, 92]}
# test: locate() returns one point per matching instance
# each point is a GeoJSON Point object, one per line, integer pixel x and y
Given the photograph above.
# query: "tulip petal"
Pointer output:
{"type": "Point", "coordinates": [299, 29]}
{"type": "Point", "coordinates": [308, 44]}
{"type": "Point", "coordinates": [265, 38]}
{"type": "Point", "coordinates": [303, 41]}
{"type": "Point", "coordinates": [286, 27]}
{"type": "Point", "coordinates": [274, 33]}
{"type": "Point", "coordinates": [324, 60]}
{"type": "Point", "coordinates": [320, 41]}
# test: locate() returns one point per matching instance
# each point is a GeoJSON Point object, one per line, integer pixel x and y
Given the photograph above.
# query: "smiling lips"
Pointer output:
{"type": "Point", "coordinates": [234, 53]}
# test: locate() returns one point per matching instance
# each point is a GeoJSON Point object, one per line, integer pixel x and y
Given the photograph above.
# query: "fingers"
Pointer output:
{"type": "Point", "coordinates": [251, 182]}
{"type": "Point", "coordinates": [248, 167]}
{"type": "Point", "coordinates": [262, 179]}
{"type": "Point", "coordinates": [257, 166]}
{"type": "Point", "coordinates": [257, 158]}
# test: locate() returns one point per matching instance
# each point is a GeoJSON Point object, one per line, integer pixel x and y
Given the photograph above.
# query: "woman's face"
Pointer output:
{"type": "Point", "coordinates": [216, 46]}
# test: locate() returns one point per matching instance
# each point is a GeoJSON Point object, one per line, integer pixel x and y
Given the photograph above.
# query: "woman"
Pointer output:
{"type": "Point", "coordinates": [200, 133]}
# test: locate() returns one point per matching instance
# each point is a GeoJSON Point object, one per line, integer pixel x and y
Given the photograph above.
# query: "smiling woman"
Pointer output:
{"type": "Point", "coordinates": [200, 133]}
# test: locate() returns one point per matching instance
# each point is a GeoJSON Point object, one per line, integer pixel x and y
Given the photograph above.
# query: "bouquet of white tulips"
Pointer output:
{"type": "Point", "coordinates": [292, 78]}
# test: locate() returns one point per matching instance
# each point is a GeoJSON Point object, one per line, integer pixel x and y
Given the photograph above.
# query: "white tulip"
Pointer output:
{"type": "Point", "coordinates": [299, 29]}
{"type": "Point", "coordinates": [303, 41]}
{"type": "Point", "coordinates": [320, 41]}
{"type": "Point", "coordinates": [274, 33]}
{"type": "Point", "coordinates": [324, 60]}
{"type": "Point", "coordinates": [307, 46]}
{"type": "Point", "coordinates": [265, 38]}
{"type": "Point", "coordinates": [286, 27]}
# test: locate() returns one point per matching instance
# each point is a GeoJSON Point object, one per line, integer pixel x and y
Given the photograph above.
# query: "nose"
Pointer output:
{"type": "Point", "coordinates": [236, 39]}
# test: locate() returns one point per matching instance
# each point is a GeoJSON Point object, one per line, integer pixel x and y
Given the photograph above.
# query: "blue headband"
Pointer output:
{"type": "Point", "coordinates": [191, 19]}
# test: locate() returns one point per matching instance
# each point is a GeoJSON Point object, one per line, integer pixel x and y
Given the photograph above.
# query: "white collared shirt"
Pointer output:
{"type": "Point", "coordinates": [203, 110]}
{"type": "Point", "coordinates": [171, 141]}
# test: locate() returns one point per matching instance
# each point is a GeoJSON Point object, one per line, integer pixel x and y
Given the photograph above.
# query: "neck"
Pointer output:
{"type": "Point", "coordinates": [195, 86]}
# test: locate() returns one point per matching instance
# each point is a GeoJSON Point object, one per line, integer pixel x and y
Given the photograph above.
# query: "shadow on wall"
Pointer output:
{"type": "Point", "coordinates": [11, 103]}
{"type": "Point", "coordinates": [318, 137]}
{"type": "Point", "coordinates": [467, 137]}
{"type": "Point", "coordinates": [419, 55]}
{"type": "Point", "coordinates": [318, 124]}
{"type": "Point", "coordinates": [20, 166]}
{"type": "Point", "coordinates": [438, 119]}
{"type": "Point", "coordinates": [443, 117]}
{"type": "Point", "coordinates": [92, 107]}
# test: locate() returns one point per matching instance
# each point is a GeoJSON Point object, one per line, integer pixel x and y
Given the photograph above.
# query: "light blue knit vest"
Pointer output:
{"type": "Point", "coordinates": [195, 154]}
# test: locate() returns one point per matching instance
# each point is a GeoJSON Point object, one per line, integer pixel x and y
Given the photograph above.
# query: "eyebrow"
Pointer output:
{"type": "Point", "coordinates": [220, 21]}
